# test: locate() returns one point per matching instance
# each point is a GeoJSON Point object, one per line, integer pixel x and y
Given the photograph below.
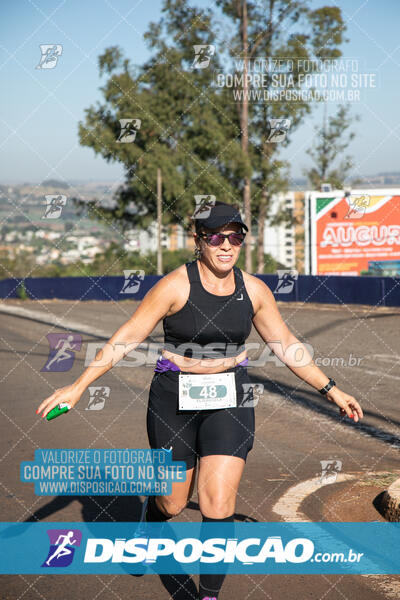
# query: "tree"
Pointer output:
{"type": "Point", "coordinates": [332, 138]}
{"type": "Point", "coordinates": [273, 29]}
{"type": "Point", "coordinates": [183, 129]}
{"type": "Point", "coordinates": [204, 141]}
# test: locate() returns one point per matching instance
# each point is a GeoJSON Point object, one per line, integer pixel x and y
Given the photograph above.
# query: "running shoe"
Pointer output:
{"type": "Point", "coordinates": [141, 532]}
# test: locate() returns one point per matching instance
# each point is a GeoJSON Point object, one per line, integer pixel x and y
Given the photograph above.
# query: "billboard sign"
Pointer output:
{"type": "Point", "coordinates": [347, 232]}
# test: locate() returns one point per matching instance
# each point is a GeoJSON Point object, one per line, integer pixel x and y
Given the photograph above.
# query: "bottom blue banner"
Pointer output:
{"type": "Point", "coordinates": [191, 548]}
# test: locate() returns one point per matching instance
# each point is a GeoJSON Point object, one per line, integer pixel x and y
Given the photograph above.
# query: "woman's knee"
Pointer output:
{"type": "Point", "coordinates": [175, 503]}
{"type": "Point", "coordinates": [171, 506]}
{"type": "Point", "coordinates": [217, 507]}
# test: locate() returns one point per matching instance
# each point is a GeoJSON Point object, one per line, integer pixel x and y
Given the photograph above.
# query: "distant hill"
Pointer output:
{"type": "Point", "coordinates": [54, 183]}
{"type": "Point", "coordinates": [384, 179]}
{"type": "Point", "coordinates": [107, 188]}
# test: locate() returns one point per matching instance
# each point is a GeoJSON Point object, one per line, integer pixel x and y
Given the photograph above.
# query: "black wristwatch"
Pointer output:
{"type": "Point", "coordinates": [328, 386]}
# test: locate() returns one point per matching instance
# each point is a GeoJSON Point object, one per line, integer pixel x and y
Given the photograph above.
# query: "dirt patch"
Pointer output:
{"type": "Point", "coordinates": [350, 501]}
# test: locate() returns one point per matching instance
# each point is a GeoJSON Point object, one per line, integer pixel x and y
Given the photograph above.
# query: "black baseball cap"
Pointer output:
{"type": "Point", "coordinates": [219, 214]}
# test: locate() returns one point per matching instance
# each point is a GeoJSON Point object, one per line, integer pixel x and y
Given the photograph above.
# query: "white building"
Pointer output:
{"type": "Point", "coordinates": [279, 240]}
{"type": "Point", "coordinates": [146, 241]}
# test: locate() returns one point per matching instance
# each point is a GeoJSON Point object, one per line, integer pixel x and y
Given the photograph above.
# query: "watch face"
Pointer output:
{"type": "Point", "coordinates": [328, 386]}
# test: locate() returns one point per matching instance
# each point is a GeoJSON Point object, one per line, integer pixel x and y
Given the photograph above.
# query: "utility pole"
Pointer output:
{"type": "Point", "coordinates": [325, 161]}
{"type": "Point", "coordinates": [159, 222]}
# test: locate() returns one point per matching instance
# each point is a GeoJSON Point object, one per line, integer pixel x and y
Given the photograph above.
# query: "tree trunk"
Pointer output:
{"type": "Point", "coordinates": [266, 152]}
{"type": "Point", "coordinates": [244, 124]}
{"type": "Point", "coordinates": [260, 233]}
{"type": "Point", "coordinates": [159, 223]}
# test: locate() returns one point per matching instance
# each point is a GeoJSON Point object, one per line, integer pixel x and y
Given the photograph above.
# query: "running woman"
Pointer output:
{"type": "Point", "coordinates": [208, 307]}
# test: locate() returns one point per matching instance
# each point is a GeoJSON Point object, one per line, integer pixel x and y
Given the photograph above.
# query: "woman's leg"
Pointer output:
{"type": "Point", "coordinates": [166, 428]}
{"type": "Point", "coordinates": [182, 491]}
{"type": "Point", "coordinates": [218, 483]}
{"type": "Point", "coordinates": [162, 508]}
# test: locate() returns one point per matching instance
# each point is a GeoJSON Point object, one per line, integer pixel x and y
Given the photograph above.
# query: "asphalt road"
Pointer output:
{"type": "Point", "coordinates": [296, 428]}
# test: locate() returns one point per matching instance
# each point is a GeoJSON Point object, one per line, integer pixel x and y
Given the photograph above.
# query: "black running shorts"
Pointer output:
{"type": "Point", "coordinates": [193, 434]}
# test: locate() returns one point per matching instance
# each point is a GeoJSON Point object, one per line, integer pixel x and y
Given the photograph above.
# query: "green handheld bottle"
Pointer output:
{"type": "Point", "coordinates": [58, 410]}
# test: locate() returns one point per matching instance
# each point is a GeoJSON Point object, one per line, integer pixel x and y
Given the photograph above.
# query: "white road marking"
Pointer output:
{"type": "Point", "coordinates": [385, 360]}
{"type": "Point", "coordinates": [379, 373]}
{"type": "Point", "coordinates": [288, 505]}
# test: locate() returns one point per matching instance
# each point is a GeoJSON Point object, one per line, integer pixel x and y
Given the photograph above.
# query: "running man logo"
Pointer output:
{"type": "Point", "coordinates": [50, 55]}
{"type": "Point", "coordinates": [357, 206]}
{"type": "Point", "coordinates": [277, 130]}
{"type": "Point", "coordinates": [129, 129]}
{"type": "Point", "coordinates": [133, 280]}
{"type": "Point", "coordinates": [62, 547]}
{"type": "Point", "coordinates": [203, 54]}
{"type": "Point", "coordinates": [98, 395]}
{"type": "Point", "coordinates": [54, 206]}
{"type": "Point", "coordinates": [62, 351]}
{"type": "Point", "coordinates": [204, 204]}
{"type": "Point", "coordinates": [286, 281]}
{"type": "Point", "coordinates": [330, 469]}
{"type": "Point", "coordinates": [252, 392]}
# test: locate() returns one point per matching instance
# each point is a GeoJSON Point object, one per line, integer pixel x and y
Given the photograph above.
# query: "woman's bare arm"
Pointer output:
{"type": "Point", "coordinates": [154, 306]}
{"type": "Point", "coordinates": [295, 355]}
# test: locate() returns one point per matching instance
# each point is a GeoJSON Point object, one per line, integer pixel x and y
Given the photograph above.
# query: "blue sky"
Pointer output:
{"type": "Point", "coordinates": [40, 109]}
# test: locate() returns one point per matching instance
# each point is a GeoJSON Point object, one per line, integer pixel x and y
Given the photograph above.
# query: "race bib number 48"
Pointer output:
{"type": "Point", "coordinates": [207, 391]}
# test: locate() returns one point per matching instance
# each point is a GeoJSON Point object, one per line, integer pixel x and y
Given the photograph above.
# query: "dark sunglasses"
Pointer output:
{"type": "Point", "coordinates": [216, 239]}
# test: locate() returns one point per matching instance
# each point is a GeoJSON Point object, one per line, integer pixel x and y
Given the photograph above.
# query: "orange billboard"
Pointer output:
{"type": "Point", "coordinates": [347, 232]}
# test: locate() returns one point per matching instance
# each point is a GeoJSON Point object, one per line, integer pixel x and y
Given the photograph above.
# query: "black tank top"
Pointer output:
{"type": "Point", "coordinates": [222, 323]}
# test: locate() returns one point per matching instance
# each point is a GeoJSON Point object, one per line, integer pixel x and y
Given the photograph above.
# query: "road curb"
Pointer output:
{"type": "Point", "coordinates": [288, 505]}
{"type": "Point", "coordinates": [391, 502]}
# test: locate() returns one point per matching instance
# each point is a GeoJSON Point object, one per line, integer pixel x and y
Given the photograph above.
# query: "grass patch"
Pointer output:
{"type": "Point", "coordinates": [380, 479]}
